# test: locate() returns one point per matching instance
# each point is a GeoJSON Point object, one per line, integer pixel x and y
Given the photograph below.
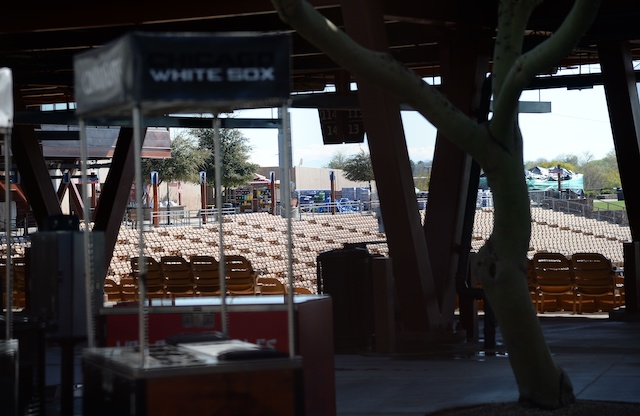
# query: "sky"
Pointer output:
{"type": "Point", "coordinates": [577, 125]}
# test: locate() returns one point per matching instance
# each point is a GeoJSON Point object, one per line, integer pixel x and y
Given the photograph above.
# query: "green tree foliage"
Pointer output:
{"type": "Point", "coordinates": [602, 174]}
{"type": "Point", "coordinates": [569, 160]}
{"type": "Point", "coordinates": [337, 161]}
{"type": "Point", "coordinates": [236, 168]}
{"type": "Point", "coordinates": [557, 162]}
{"type": "Point", "coordinates": [183, 165]}
{"type": "Point", "coordinates": [421, 174]}
{"type": "Point", "coordinates": [358, 168]}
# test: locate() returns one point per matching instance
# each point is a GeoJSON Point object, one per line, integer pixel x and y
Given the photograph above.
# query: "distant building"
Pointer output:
{"type": "Point", "coordinates": [308, 178]}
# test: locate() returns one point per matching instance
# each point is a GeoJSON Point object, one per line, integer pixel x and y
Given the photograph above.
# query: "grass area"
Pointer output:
{"type": "Point", "coordinates": [608, 204]}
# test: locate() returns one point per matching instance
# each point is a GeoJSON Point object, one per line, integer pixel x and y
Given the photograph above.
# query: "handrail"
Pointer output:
{"type": "Point", "coordinates": [587, 210]}
{"type": "Point", "coordinates": [180, 217]}
{"type": "Point", "coordinates": [169, 217]}
{"type": "Point", "coordinates": [206, 214]}
{"type": "Point", "coordinates": [538, 198]}
{"type": "Point", "coordinates": [336, 207]}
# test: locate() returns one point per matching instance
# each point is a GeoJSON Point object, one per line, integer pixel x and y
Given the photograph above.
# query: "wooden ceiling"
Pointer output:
{"type": "Point", "coordinates": [38, 42]}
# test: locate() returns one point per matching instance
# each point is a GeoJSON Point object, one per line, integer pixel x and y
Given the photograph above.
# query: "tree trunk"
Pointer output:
{"type": "Point", "coordinates": [501, 266]}
{"type": "Point", "coordinates": [497, 147]}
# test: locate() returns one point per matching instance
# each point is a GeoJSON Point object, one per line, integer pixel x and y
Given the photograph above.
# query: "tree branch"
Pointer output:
{"type": "Point", "coordinates": [513, 16]}
{"type": "Point", "coordinates": [512, 22]}
{"type": "Point", "coordinates": [548, 53]}
{"type": "Point", "coordinates": [383, 70]}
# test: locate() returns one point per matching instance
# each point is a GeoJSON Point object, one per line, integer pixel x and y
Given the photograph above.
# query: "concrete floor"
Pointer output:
{"type": "Point", "coordinates": [601, 355]}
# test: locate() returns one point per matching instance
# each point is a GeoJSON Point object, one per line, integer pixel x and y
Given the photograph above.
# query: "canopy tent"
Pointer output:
{"type": "Point", "coordinates": [540, 178]}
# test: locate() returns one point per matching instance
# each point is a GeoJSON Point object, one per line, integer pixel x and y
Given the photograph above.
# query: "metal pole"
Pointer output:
{"type": "Point", "coordinates": [88, 243]}
{"type": "Point", "coordinates": [203, 197]}
{"type": "Point", "coordinates": [285, 200]}
{"type": "Point", "coordinates": [142, 266]}
{"type": "Point", "coordinates": [217, 158]}
{"type": "Point", "coordinates": [332, 202]}
{"type": "Point", "coordinates": [7, 233]}
{"type": "Point", "coordinates": [156, 209]}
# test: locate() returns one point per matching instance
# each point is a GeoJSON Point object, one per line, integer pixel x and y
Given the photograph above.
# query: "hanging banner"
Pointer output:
{"type": "Point", "coordinates": [6, 98]}
{"type": "Point", "coordinates": [183, 72]}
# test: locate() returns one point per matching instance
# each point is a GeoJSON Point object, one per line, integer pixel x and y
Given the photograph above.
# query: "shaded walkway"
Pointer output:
{"type": "Point", "coordinates": [601, 356]}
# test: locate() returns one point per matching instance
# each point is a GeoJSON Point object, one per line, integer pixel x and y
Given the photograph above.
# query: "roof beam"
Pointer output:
{"type": "Point", "coordinates": [65, 14]}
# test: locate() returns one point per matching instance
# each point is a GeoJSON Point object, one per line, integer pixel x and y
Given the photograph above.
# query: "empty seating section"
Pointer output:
{"type": "Point", "coordinates": [270, 286]}
{"type": "Point", "coordinates": [177, 275]}
{"type": "Point", "coordinates": [569, 283]}
{"type": "Point", "coordinates": [151, 276]}
{"type": "Point", "coordinates": [206, 275]}
{"type": "Point", "coordinates": [128, 288]}
{"type": "Point", "coordinates": [261, 238]}
{"type": "Point", "coordinates": [560, 232]}
{"type": "Point", "coordinates": [241, 277]}
{"type": "Point", "coordinates": [567, 234]}
{"type": "Point", "coordinates": [553, 279]}
{"type": "Point", "coordinates": [299, 290]}
{"type": "Point", "coordinates": [594, 279]}
{"type": "Point", "coordinates": [18, 281]}
{"type": "Point", "coordinates": [531, 283]}
{"type": "Point", "coordinates": [112, 290]}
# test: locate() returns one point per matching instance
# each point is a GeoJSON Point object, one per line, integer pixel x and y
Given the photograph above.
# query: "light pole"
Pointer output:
{"type": "Point", "coordinates": [203, 195]}
{"type": "Point", "coordinates": [332, 178]}
{"type": "Point", "coordinates": [154, 182]}
{"type": "Point", "coordinates": [168, 205]}
{"type": "Point", "coordinates": [272, 185]}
